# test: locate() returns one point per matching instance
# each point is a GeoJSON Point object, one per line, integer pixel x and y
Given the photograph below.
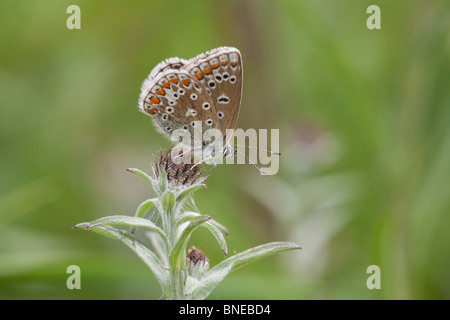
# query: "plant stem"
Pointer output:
{"type": "Point", "coordinates": [177, 284]}
{"type": "Point", "coordinates": [176, 274]}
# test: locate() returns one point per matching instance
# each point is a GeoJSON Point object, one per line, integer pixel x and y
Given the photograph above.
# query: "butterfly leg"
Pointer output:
{"type": "Point", "coordinates": [214, 164]}
{"type": "Point", "coordinates": [204, 160]}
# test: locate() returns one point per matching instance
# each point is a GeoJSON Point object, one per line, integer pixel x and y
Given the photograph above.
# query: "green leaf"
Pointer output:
{"type": "Point", "coordinates": [216, 229]}
{"type": "Point", "coordinates": [126, 221]}
{"type": "Point", "coordinates": [145, 206]}
{"type": "Point", "coordinates": [102, 231]}
{"type": "Point", "coordinates": [168, 201]}
{"type": "Point", "coordinates": [218, 235]}
{"type": "Point", "coordinates": [149, 258]}
{"type": "Point", "coordinates": [190, 286]}
{"type": "Point", "coordinates": [219, 226]}
{"type": "Point", "coordinates": [216, 274]}
{"type": "Point", "coordinates": [140, 173]}
{"type": "Point", "coordinates": [159, 245]}
{"type": "Point", "coordinates": [186, 192]}
{"type": "Point", "coordinates": [177, 254]}
{"type": "Point", "coordinates": [187, 216]}
{"type": "Point", "coordinates": [162, 180]}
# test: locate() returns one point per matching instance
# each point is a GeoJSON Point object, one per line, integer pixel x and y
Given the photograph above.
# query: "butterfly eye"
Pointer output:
{"type": "Point", "coordinates": [209, 122]}
{"type": "Point", "coordinates": [168, 129]}
{"type": "Point", "coordinates": [181, 91]}
{"type": "Point", "coordinates": [218, 78]}
{"type": "Point", "coordinates": [194, 96]}
{"type": "Point", "coordinates": [225, 76]}
{"type": "Point", "coordinates": [193, 123]}
{"type": "Point", "coordinates": [232, 79]}
{"type": "Point", "coordinates": [211, 84]}
{"type": "Point", "coordinates": [206, 105]}
{"type": "Point", "coordinates": [220, 114]}
{"type": "Point", "coordinates": [169, 109]}
{"type": "Point", "coordinates": [185, 127]}
{"type": "Point", "coordinates": [164, 117]}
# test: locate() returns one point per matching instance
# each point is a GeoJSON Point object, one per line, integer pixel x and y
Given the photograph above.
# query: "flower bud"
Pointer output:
{"type": "Point", "coordinates": [198, 262]}
{"type": "Point", "coordinates": [182, 174]}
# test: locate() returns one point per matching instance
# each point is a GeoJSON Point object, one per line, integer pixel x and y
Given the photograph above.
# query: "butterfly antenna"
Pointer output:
{"type": "Point", "coordinates": [201, 161]}
{"type": "Point", "coordinates": [251, 162]}
{"type": "Point", "coordinates": [261, 149]}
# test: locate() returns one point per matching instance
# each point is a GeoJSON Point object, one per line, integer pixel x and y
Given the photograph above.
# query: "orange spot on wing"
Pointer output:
{"type": "Point", "coordinates": [224, 63]}
{"type": "Point", "coordinates": [155, 100]}
{"type": "Point", "coordinates": [215, 66]}
{"type": "Point", "coordinates": [196, 85]}
{"type": "Point", "coordinates": [174, 80]}
{"type": "Point", "coordinates": [198, 76]}
{"type": "Point", "coordinates": [233, 64]}
{"type": "Point", "coordinates": [207, 70]}
{"type": "Point", "coordinates": [152, 110]}
{"type": "Point", "coordinates": [166, 84]}
{"type": "Point", "coordinates": [160, 92]}
{"type": "Point", "coordinates": [186, 82]}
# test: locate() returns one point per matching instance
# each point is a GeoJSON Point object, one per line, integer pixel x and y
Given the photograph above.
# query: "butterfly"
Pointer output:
{"type": "Point", "coordinates": [205, 90]}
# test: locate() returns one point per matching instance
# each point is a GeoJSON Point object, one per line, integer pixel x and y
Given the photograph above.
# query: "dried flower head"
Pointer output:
{"type": "Point", "coordinates": [198, 263]}
{"type": "Point", "coordinates": [195, 256]}
{"type": "Point", "coordinates": [184, 174]}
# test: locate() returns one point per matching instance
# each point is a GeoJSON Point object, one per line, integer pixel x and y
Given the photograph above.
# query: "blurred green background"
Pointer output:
{"type": "Point", "coordinates": [364, 119]}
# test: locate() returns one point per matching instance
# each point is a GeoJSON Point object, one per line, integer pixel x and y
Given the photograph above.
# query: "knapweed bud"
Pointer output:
{"type": "Point", "coordinates": [198, 262]}
{"type": "Point", "coordinates": [182, 174]}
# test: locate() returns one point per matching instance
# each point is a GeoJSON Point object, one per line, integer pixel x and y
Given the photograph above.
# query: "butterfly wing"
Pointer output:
{"type": "Point", "coordinates": [175, 99]}
{"type": "Point", "coordinates": [220, 73]}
